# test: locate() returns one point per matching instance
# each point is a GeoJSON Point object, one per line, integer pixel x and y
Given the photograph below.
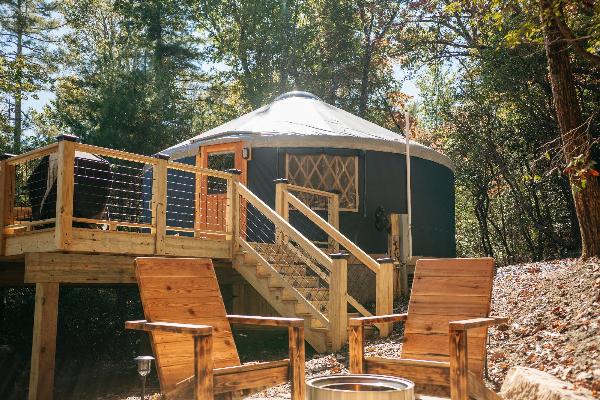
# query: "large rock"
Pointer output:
{"type": "Point", "coordinates": [523, 383]}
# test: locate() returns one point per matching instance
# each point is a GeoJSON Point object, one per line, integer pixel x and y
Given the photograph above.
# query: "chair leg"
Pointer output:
{"type": "Point", "coordinates": [203, 368]}
{"type": "Point", "coordinates": [458, 365]}
{"type": "Point", "coordinates": [297, 360]}
{"type": "Point", "coordinates": [356, 339]}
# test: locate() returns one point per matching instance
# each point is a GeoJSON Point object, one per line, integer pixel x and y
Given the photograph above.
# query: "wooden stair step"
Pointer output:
{"type": "Point", "coordinates": [315, 294]}
{"type": "Point", "coordinates": [302, 308]}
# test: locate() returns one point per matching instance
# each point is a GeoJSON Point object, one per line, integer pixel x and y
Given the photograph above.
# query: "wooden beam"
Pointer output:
{"type": "Point", "coordinates": [65, 184]}
{"type": "Point", "coordinates": [297, 362]}
{"type": "Point", "coordinates": [78, 268]}
{"type": "Point", "coordinates": [41, 377]}
{"type": "Point", "coordinates": [338, 301]}
{"type": "Point", "coordinates": [333, 218]}
{"type": "Point", "coordinates": [384, 291]}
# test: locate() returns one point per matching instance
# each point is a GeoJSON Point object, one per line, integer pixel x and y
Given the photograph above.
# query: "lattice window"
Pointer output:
{"type": "Point", "coordinates": [325, 172]}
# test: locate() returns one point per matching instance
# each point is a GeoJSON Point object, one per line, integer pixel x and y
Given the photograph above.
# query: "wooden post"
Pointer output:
{"type": "Point", "coordinates": [297, 356]}
{"type": "Point", "coordinates": [333, 218]}
{"type": "Point", "coordinates": [43, 349]}
{"type": "Point", "coordinates": [203, 367]}
{"type": "Point", "coordinates": [281, 206]}
{"type": "Point", "coordinates": [357, 349]}
{"type": "Point", "coordinates": [338, 300]}
{"type": "Point", "coordinates": [65, 188]}
{"type": "Point", "coordinates": [198, 195]}
{"type": "Point", "coordinates": [159, 202]}
{"type": "Point", "coordinates": [385, 293]}
{"type": "Point", "coordinates": [7, 176]}
{"type": "Point", "coordinates": [458, 364]}
{"type": "Point", "coordinates": [398, 250]}
{"type": "Point", "coordinates": [233, 208]}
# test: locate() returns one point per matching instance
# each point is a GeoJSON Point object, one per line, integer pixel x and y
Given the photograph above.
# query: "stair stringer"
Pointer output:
{"type": "Point", "coordinates": [317, 337]}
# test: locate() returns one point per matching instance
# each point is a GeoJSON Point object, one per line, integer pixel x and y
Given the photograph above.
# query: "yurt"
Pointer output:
{"type": "Point", "coordinates": [317, 145]}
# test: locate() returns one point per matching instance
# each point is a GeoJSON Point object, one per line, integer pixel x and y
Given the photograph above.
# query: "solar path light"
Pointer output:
{"type": "Point", "coordinates": [144, 364]}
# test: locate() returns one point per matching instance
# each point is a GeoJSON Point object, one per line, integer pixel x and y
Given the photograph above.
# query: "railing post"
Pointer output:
{"type": "Point", "coordinates": [198, 199]}
{"type": "Point", "coordinates": [65, 189]}
{"type": "Point", "coordinates": [233, 208]}
{"type": "Point", "coordinates": [282, 207]}
{"type": "Point", "coordinates": [338, 300]}
{"type": "Point", "coordinates": [333, 218]}
{"type": "Point", "coordinates": [385, 293]}
{"type": "Point", "coordinates": [7, 177]}
{"type": "Point", "coordinates": [159, 202]}
{"type": "Point", "coordinates": [398, 250]}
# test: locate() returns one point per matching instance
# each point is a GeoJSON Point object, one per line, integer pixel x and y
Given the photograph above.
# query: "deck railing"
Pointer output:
{"type": "Point", "coordinates": [89, 198]}
{"type": "Point", "coordinates": [383, 268]}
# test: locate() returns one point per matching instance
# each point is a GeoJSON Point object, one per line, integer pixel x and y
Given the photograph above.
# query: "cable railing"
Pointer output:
{"type": "Point", "coordinates": [103, 200]}
{"type": "Point", "coordinates": [287, 202]}
{"type": "Point", "coordinates": [302, 266]}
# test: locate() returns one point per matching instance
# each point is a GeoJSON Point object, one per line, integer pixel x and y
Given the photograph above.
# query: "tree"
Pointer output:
{"type": "Point", "coordinates": [25, 37]}
{"type": "Point", "coordinates": [576, 138]}
{"type": "Point", "coordinates": [134, 78]}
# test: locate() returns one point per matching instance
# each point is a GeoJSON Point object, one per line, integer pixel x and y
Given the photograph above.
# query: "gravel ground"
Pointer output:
{"type": "Point", "coordinates": [554, 326]}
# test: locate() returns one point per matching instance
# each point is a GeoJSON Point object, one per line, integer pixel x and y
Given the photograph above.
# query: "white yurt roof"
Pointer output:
{"type": "Point", "coordinates": [301, 119]}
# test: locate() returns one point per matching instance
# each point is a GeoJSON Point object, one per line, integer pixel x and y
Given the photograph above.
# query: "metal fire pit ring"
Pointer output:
{"type": "Point", "coordinates": [363, 387]}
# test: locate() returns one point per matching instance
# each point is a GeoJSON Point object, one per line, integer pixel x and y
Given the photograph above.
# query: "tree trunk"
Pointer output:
{"type": "Point", "coordinates": [576, 139]}
{"type": "Point", "coordinates": [364, 82]}
{"type": "Point", "coordinates": [18, 127]}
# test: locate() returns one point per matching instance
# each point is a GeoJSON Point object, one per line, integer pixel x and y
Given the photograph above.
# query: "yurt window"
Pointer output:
{"type": "Point", "coordinates": [325, 172]}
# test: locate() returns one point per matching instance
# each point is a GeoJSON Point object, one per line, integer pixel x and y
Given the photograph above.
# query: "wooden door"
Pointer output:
{"type": "Point", "coordinates": [213, 191]}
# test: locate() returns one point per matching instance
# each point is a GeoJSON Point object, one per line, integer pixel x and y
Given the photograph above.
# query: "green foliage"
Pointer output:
{"type": "Point", "coordinates": [491, 110]}
{"type": "Point", "coordinates": [26, 30]}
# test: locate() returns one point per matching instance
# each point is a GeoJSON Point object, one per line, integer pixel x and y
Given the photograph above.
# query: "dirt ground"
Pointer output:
{"type": "Point", "coordinates": [554, 326]}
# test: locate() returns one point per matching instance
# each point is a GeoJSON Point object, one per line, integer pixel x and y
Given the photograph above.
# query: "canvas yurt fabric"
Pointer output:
{"type": "Point", "coordinates": [317, 145]}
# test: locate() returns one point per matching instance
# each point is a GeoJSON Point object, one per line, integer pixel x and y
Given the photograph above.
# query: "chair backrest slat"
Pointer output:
{"type": "Point", "coordinates": [183, 291]}
{"type": "Point", "coordinates": [447, 290]}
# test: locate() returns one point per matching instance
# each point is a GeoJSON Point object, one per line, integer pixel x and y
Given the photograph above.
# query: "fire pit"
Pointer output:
{"type": "Point", "coordinates": [364, 387]}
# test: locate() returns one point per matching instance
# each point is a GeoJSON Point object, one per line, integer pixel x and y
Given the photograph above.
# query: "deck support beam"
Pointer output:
{"type": "Point", "coordinates": [41, 377]}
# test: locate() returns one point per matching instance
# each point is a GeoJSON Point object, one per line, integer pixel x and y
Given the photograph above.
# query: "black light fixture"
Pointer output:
{"type": "Point", "coordinates": [144, 364]}
{"type": "Point", "coordinates": [246, 153]}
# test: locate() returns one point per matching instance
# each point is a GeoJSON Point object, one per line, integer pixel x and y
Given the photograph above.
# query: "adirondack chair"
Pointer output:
{"type": "Point", "coordinates": [191, 334]}
{"type": "Point", "coordinates": [449, 298]}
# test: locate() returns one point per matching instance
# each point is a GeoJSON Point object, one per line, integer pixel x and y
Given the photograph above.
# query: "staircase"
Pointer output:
{"type": "Point", "coordinates": [293, 275]}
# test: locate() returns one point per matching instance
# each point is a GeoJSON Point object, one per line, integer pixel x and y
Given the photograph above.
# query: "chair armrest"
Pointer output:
{"type": "Point", "coordinates": [466, 324]}
{"type": "Point", "coordinates": [266, 321]}
{"type": "Point", "coordinates": [377, 319]}
{"type": "Point", "coordinates": [170, 327]}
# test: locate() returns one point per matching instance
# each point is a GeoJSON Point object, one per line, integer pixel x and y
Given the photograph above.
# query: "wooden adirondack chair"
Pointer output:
{"type": "Point", "coordinates": [191, 333]}
{"type": "Point", "coordinates": [449, 298]}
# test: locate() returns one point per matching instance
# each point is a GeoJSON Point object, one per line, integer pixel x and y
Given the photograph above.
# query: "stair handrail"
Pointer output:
{"type": "Point", "coordinates": [332, 231]}
{"type": "Point", "coordinates": [283, 225]}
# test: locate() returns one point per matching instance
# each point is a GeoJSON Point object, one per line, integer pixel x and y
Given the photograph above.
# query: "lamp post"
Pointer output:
{"type": "Point", "coordinates": [144, 364]}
